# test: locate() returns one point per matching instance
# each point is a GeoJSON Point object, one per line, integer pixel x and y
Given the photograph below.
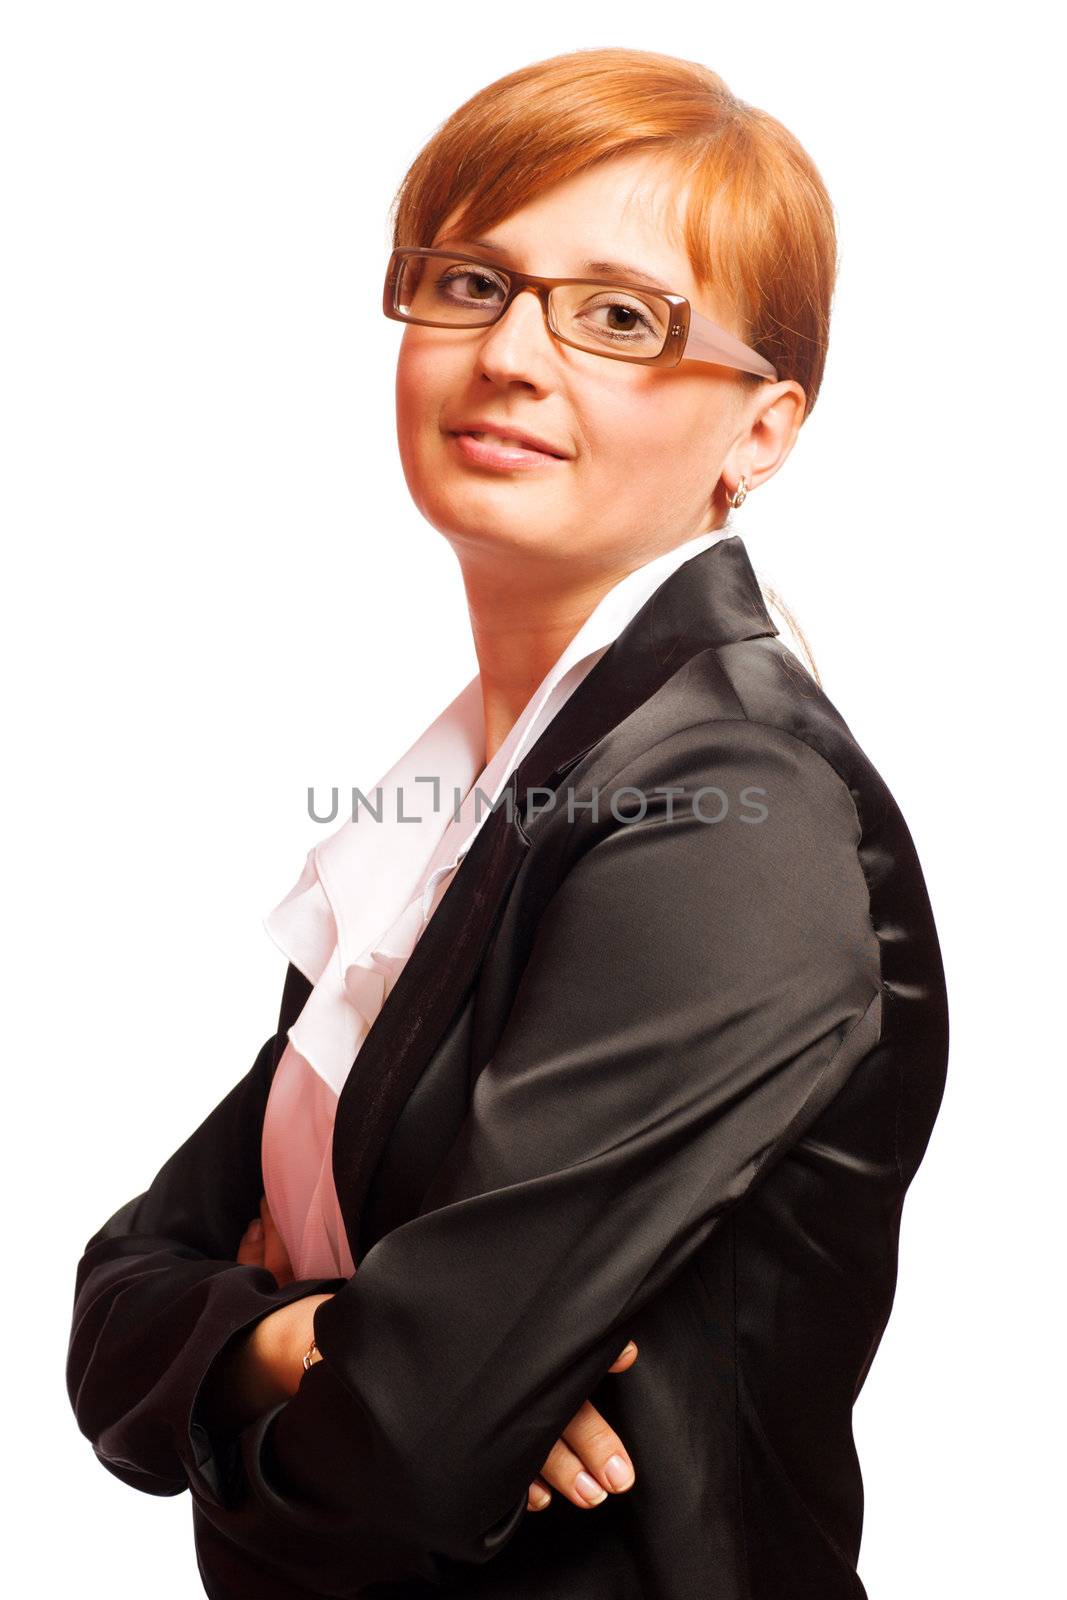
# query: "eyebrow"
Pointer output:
{"type": "Point", "coordinates": [609, 269]}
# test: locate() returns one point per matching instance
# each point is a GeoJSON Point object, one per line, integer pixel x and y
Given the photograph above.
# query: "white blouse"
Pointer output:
{"type": "Point", "coordinates": [364, 897]}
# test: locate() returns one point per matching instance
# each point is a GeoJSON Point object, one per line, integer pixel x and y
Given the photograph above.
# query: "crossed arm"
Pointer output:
{"type": "Point", "coordinates": [695, 995]}
{"type": "Point", "coordinates": [587, 1462]}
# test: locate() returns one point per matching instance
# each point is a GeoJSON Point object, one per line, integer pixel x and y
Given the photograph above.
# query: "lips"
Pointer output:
{"type": "Point", "coordinates": [485, 452]}
{"type": "Point", "coordinates": [503, 435]}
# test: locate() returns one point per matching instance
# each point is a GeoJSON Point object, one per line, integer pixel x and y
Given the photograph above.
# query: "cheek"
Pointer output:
{"type": "Point", "coordinates": [410, 396]}
{"type": "Point", "coordinates": [422, 382]}
{"type": "Point", "coordinates": [635, 432]}
{"type": "Point", "coordinates": [656, 447]}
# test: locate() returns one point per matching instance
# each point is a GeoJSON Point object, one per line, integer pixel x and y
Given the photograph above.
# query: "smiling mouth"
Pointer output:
{"type": "Point", "coordinates": [501, 450]}
{"type": "Point", "coordinates": [508, 441]}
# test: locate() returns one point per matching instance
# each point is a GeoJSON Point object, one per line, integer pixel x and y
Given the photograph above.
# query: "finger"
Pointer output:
{"type": "Point", "coordinates": [625, 1359]}
{"type": "Point", "coordinates": [539, 1496]}
{"type": "Point", "coordinates": [600, 1450]}
{"type": "Point", "coordinates": [275, 1255]}
{"type": "Point", "coordinates": [250, 1249]}
{"type": "Point", "coordinates": [276, 1260]}
{"type": "Point", "coordinates": [565, 1471]}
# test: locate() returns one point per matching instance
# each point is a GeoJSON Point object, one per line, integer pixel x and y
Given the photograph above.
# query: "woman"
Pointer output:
{"type": "Point", "coordinates": [586, 1127]}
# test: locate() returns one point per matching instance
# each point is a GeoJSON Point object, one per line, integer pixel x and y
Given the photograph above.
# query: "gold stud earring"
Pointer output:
{"type": "Point", "coordinates": [738, 496]}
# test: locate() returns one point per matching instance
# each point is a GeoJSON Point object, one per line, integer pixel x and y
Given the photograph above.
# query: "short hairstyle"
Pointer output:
{"type": "Point", "coordinates": [759, 225]}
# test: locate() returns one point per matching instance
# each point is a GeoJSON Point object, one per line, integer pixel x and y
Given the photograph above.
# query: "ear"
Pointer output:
{"type": "Point", "coordinates": [770, 422]}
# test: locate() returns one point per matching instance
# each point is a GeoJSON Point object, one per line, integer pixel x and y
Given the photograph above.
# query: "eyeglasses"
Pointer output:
{"type": "Point", "coordinates": [446, 289]}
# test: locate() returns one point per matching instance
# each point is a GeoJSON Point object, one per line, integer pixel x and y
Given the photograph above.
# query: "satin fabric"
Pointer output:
{"type": "Point", "coordinates": [655, 1078]}
{"type": "Point", "coordinates": [390, 875]}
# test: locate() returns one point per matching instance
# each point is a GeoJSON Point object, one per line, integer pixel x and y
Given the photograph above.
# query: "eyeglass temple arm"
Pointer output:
{"type": "Point", "coordinates": [708, 342]}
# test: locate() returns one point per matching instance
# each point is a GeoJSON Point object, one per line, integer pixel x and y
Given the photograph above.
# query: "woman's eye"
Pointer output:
{"type": "Point", "coordinates": [468, 285]}
{"type": "Point", "coordinates": [625, 317]}
{"type": "Point", "coordinates": [622, 319]}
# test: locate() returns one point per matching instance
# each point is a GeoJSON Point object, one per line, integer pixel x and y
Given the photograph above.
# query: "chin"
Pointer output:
{"type": "Point", "coordinates": [494, 520]}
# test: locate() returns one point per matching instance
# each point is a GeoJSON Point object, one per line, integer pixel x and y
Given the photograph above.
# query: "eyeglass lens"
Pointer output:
{"type": "Point", "coordinates": [470, 294]}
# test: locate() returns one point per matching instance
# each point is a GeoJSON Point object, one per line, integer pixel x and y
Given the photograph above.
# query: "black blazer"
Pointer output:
{"type": "Point", "coordinates": [661, 1070]}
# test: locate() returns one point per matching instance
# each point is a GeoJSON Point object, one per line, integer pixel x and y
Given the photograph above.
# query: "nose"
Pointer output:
{"type": "Point", "coordinates": [523, 319]}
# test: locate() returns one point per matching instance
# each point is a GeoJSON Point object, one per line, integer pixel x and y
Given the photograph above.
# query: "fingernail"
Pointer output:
{"type": "Point", "coordinates": [630, 1347]}
{"type": "Point", "coordinates": [618, 1472]}
{"type": "Point", "coordinates": [539, 1496]}
{"type": "Point", "coordinates": [589, 1489]}
{"type": "Point", "coordinates": [255, 1229]}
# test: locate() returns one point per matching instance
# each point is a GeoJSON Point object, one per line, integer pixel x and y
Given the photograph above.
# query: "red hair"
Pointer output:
{"type": "Point", "coordinates": [758, 226]}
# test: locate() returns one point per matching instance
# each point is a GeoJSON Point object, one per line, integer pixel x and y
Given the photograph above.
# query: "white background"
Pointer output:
{"type": "Point", "coordinates": [218, 592]}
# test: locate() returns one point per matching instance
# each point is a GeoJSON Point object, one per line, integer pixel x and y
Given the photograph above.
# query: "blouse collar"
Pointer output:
{"type": "Point", "coordinates": [372, 875]}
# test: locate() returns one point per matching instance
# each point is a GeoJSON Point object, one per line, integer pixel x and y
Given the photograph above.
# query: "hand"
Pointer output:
{"type": "Point", "coordinates": [262, 1366]}
{"type": "Point", "coordinates": [577, 1463]}
{"type": "Point", "coordinates": [271, 1365]}
{"type": "Point", "coordinates": [266, 1363]}
{"type": "Point", "coordinates": [262, 1246]}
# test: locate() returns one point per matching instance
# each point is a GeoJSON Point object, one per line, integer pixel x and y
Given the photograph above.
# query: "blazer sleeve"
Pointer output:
{"type": "Point", "coordinates": [695, 994]}
{"type": "Point", "coordinates": [159, 1294]}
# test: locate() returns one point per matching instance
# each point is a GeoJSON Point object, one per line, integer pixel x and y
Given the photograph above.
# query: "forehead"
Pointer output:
{"type": "Point", "coordinates": [622, 217]}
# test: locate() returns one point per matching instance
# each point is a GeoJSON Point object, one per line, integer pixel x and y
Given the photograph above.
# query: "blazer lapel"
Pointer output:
{"type": "Point", "coordinates": [712, 599]}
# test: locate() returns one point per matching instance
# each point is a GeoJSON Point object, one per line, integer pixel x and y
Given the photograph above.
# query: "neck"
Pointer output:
{"type": "Point", "coordinates": [523, 615]}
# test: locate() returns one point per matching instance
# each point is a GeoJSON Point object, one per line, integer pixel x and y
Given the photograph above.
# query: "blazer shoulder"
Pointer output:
{"type": "Point", "coordinates": [692, 753]}
{"type": "Point", "coordinates": [749, 697]}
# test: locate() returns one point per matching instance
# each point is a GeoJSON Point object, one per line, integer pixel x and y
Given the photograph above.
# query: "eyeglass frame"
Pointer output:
{"type": "Point", "coordinates": [690, 334]}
